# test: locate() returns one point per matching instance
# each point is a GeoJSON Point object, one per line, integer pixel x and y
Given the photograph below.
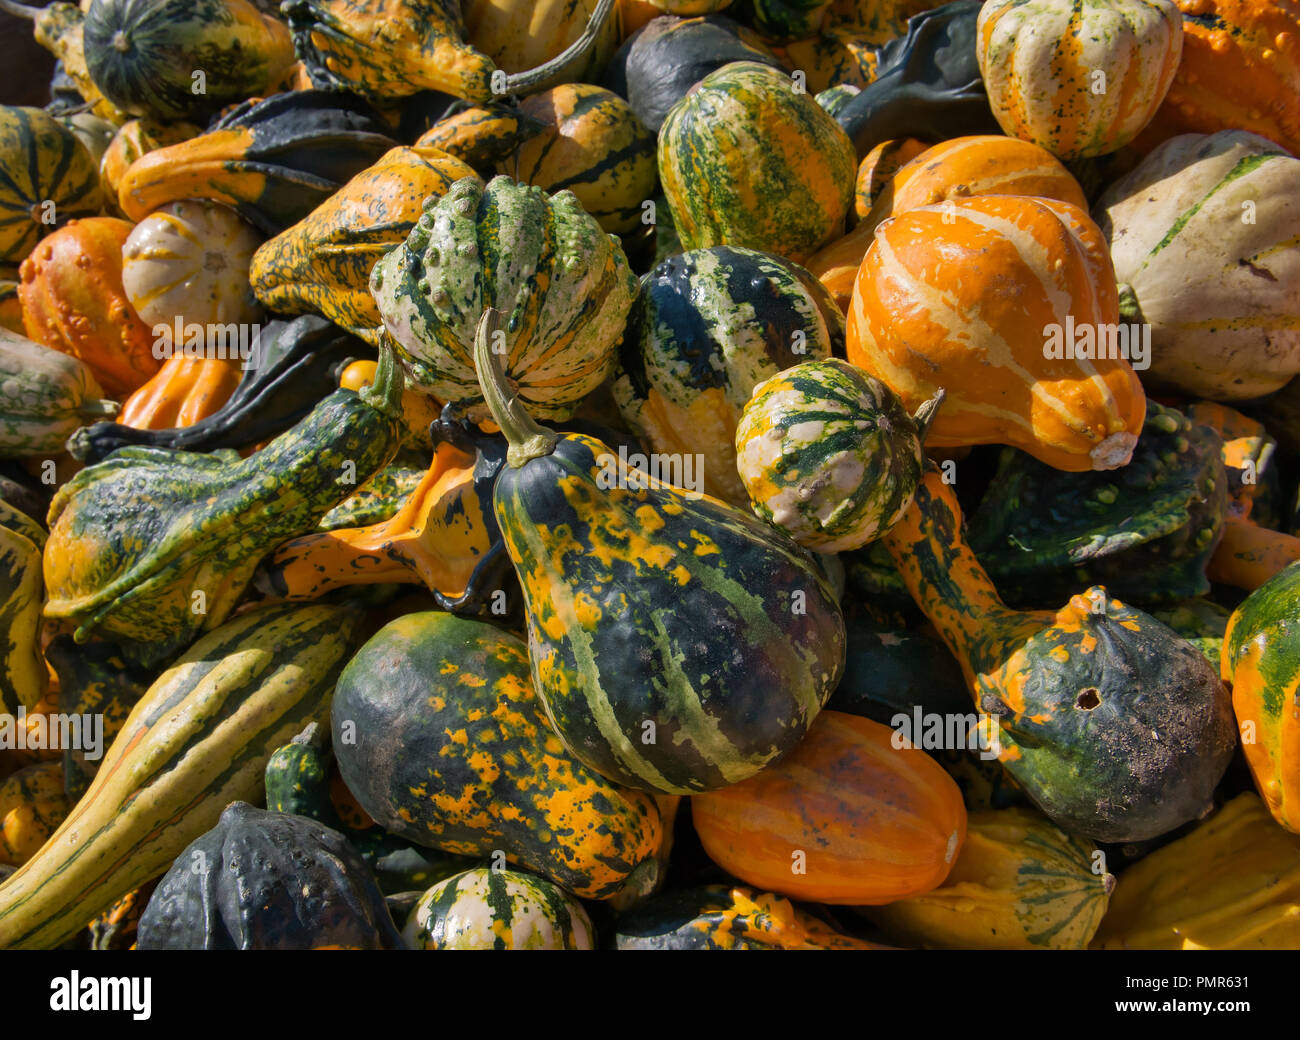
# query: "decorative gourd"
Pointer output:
{"type": "Point", "coordinates": [593, 145]}
{"type": "Point", "coordinates": [1077, 692]}
{"type": "Point", "coordinates": [46, 176]}
{"type": "Point", "coordinates": [146, 56]}
{"type": "Point", "coordinates": [135, 139]}
{"type": "Point", "coordinates": [1248, 556]}
{"type": "Point", "coordinates": [1232, 883]}
{"type": "Point", "coordinates": [117, 927]}
{"type": "Point", "coordinates": [659, 65]}
{"type": "Point", "coordinates": [322, 264]}
{"type": "Point", "coordinates": [138, 540]}
{"type": "Point", "coordinates": [187, 263]}
{"type": "Point", "coordinates": [784, 20]}
{"type": "Point", "coordinates": [828, 454]}
{"type": "Point", "coordinates": [721, 917]}
{"type": "Point", "coordinates": [479, 770]}
{"type": "Point", "coordinates": [955, 169]}
{"type": "Point", "coordinates": [1260, 666]}
{"type": "Point", "coordinates": [706, 328]}
{"type": "Point", "coordinates": [481, 136]}
{"type": "Point", "coordinates": [1209, 261]}
{"type": "Point", "coordinates": [518, 37]}
{"type": "Point", "coordinates": [272, 160]}
{"type": "Point", "coordinates": [32, 805]}
{"type": "Point", "coordinates": [486, 909]}
{"type": "Point", "coordinates": [44, 396]}
{"type": "Point", "coordinates": [563, 283]}
{"type": "Point", "coordinates": [833, 60]}
{"type": "Point", "coordinates": [691, 7]}
{"type": "Point", "coordinates": [874, 822]}
{"type": "Point", "coordinates": [1079, 78]}
{"type": "Point", "coordinates": [877, 171]}
{"type": "Point", "coordinates": [11, 308]}
{"type": "Point", "coordinates": [74, 302]}
{"type": "Point", "coordinates": [394, 48]}
{"type": "Point", "coordinates": [297, 364]}
{"type": "Point", "coordinates": [746, 160]}
{"type": "Point", "coordinates": [93, 132]}
{"type": "Point", "coordinates": [1019, 884]}
{"type": "Point", "coordinates": [1008, 370]}
{"type": "Point", "coordinates": [1239, 72]}
{"type": "Point", "coordinates": [600, 550]}
{"type": "Point", "coordinates": [419, 412]}
{"type": "Point", "coordinates": [183, 391]}
{"type": "Point", "coordinates": [198, 740]}
{"type": "Point", "coordinates": [444, 535]}
{"type": "Point", "coordinates": [23, 675]}
{"type": "Point", "coordinates": [267, 881]}
{"type": "Point", "coordinates": [835, 98]}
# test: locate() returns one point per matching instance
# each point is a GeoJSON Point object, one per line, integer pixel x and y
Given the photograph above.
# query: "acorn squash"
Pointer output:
{"type": "Point", "coordinates": [44, 395]}
{"type": "Point", "coordinates": [640, 693]}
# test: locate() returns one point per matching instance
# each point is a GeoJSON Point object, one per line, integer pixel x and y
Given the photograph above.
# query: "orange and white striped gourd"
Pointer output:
{"type": "Point", "coordinates": [1079, 77]}
{"type": "Point", "coordinates": [987, 297]}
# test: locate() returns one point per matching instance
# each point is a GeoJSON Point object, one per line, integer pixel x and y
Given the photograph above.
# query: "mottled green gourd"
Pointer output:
{"type": "Point", "coordinates": [677, 643]}
{"type": "Point", "coordinates": [563, 284]}
{"type": "Point", "coordinates": [152, 546]}
{"type": "Point", "coordinates": [23, 678]}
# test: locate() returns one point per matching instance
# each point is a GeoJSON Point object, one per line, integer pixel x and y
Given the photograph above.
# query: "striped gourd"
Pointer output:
{"type": "Point", "coordinates": [44, 396]}
{"type": "Point", "coordinates": [23, 676]}
{"type": "Point", "coordinates": [931, 298]}
{"type": "Point", "coordinates": [1205, 234]}
{"type": "Point", "coordinates": [593, 145]}
{"type": "Point", "coordinates": [486, 909]}
{"type": "Point", "coordinates": [1260, 662]}
{"type": "Point", "coordinates": [563, 283]}
{"type": "Point", "coordinates": [829, 455]}
{"type": "Point", "coordinates": [479, 135]}
{"type": "Point", "coordinates": [706, 328]}
{"type": "Point", "coordinates": [1079, 77]}
{"type": "Point", "coordinates": [1019, 884]}
{"type": "Point", "coordinates": [46, 175]}
{"type": "Point", "coordinates": [199, 739]}
{"type": "Point", "coordinates": [677, 644]}
{"type": "Point", "coordinates": [747, 159]}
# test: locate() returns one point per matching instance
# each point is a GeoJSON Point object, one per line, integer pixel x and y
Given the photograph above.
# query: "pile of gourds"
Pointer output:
{"type": "Point", "coordinates": [671, 474]}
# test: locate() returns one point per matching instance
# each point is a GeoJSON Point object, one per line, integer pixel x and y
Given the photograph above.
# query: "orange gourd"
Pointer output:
{"type": "Point", "coordinates": [183, 391]}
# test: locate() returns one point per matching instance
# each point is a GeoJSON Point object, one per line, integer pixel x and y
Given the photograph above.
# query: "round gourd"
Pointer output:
{"type": "Point", "coordinates": [877, 170]}
{"type": "Point", "coordinates": [592, 144]}
{"type": "Point", "coordinates": [563, 283]}
{"type": "Point", "coordinates": [828, 455]}
{"type": "Point", "coordinates": [869, 822]}
{"type": "Point", "coordinates": [32, 805]}
{"type": "Point", "coordinates": [746, 159]}
{"type": "Point", "coordinates": [969, 293]}
{"type": "Point", "coordinates": [486, 909]}
{"type": "Point", "coordinates": [73, 301]}
{"type": "Point", "coordinates": [706, 328]}
{"type": "Point", "coordinates": [46, 176]}
{"type": "Point", "coordinates": [1204, 234]}
{"type": "Point", "coordinates": [189, 261]}
{"type": "Point", "coordinates": [1079, 77]}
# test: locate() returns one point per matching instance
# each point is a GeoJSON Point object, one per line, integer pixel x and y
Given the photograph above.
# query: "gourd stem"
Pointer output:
{"type": "Point", "coordinates": [384, 394]}
{"type": "Point", "coordinates": [94, 409]}
{"type": "Point", "coordinates": [21, 10]}
{"type": "Point", "coordinates": [925, 415]}
{"type": "Point", "coordinates": [528, 440]}
{"type": "Point", "coordinates": [1130, 311]}
{"type": "Point", "coordinates": [521, 82]}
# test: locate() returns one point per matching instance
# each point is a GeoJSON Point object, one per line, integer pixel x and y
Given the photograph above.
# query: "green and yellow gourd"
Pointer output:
{"type": "Point", "coordinates": [32, 805]}
{"type": "Point", "coordinates": [153, 545]}
{"type": "Point", "coordinates": [198, 739]}
{"type": "Point", "coordinates": [1078, 693]}
{"type": "Point", "coordinates": [440, 737]}
{"type": "Point", "coordinates": [617, 570]}
{"type": "Point", "coordinates": [486, 909]}
{"type": "Point", "coordinates": [480, 135]}
{"type": "Point", "coordinates": [44, 396]}
{"type": "Point", "coordinates": [23, 676]}
{"type": "Point", "coordinates": [564, 285]}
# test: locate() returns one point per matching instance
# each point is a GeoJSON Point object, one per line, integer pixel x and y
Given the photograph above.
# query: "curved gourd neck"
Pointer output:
{"type": "Point", "coordinates": [522, 82]}
{"type": "Point", "coordinates": [526, 438]}
{"type": "Point", "coordinates": [384, 394]}
{"type": "Point", "coordinates": [951, 586]}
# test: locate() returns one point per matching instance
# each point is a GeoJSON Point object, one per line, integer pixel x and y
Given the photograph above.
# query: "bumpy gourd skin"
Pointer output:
{"type": "Point", "coordinates": [135, 538]}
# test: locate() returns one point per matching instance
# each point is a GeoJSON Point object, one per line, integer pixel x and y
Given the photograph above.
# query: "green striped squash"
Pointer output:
{"type": "Point", "coordinates": [749, 159]}
{"type": "Point", "coordinates": [828, 454]}
{"type": "Point", "coordinates": [593, 145]}
{"type": "Point", "coordinates": [706, 328]}
{"type": "Point", "coordinates": [46, 178]}
{"type": "Point", "coordinates": [563, 283]}
{"type": "Point", "coordinates": [44, 396]}
{"type": "Point", "coordinates": [197, 740]}
{"type": "Point", "coordinates": [486, 909]}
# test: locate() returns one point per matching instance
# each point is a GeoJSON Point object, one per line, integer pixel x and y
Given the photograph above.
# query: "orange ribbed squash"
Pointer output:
{"type": "Point", "coordinates": [183, 391]}
{"type": "Point", "coordinates": [878, 169]}
{"type": "Point", "coordinates": [73, 301]}
{"type": "Point", "coordinates": [875, 823]}
{"type": "Point", "coordinates": [975, 296]}
{"type": "Point", "coordinates": [984, 164]}
{"type": "Point", "coordinates": [1080, 77]}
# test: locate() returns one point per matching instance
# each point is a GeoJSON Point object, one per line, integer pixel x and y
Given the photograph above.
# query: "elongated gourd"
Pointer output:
{"type": "Point", "coordinates": [198, 740]}
{"type": "Point", "coordinates": [23, 676]}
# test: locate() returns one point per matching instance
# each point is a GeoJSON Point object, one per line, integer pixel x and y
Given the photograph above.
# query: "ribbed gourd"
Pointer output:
{"type": "Point", "coordinates": [617, 569]}
{"type": "Point", "coordinates": [563, 284]}
{"type": "Point", "coordinates": [44, 395]}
